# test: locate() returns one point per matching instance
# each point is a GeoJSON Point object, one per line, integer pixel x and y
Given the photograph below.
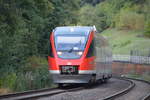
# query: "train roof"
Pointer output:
{"type": "Point", "coordinates": [85, 30]}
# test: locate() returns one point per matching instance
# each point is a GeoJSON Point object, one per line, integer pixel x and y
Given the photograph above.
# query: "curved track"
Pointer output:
{"type": "Point", "coordinates": [95, 92]}
{"type": "Point", "coordinates": [141, 91]}
{"type": "Point", "coordinates": [124, 91]}
{"type": "Point", "coordinates": [115, 89]}
{"type": "Point", "coordinates": [38, 93]}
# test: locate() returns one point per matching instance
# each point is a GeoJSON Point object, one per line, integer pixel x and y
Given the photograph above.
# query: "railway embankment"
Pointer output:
{"type": "Point", "coordinates": [133, 70]}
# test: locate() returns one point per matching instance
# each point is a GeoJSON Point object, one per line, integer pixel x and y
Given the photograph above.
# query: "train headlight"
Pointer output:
{"type": "Point", "coordinates": [59, 53]}
{"type": "Point", "coordinates": [80, 53]}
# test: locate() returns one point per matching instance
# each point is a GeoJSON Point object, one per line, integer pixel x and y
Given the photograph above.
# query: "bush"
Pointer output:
{"type": "Point", "coordinates": [93, 16]}
{"type": "Point", "coordinates": [34, 75]}
{"type": "Point", "coordinates": [147, 29]}
{"type": "Point", "coordinates": [8, 81]}
{"type": "Point", "coordinates": [147, 22]}
{"type": "Point", "coordinates": [130, 20]}
{"type": "Point", "coordinates": [30, 80]}
{"type": "Point", "coordinates": [86, 15]}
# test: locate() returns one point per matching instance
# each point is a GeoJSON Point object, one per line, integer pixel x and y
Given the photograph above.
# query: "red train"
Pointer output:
{"type": "Point", "coordinates": [78, 55]}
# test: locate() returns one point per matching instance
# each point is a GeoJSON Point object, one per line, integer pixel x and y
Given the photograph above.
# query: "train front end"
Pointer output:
{"type": "Point", "coordinates": [70, 59]}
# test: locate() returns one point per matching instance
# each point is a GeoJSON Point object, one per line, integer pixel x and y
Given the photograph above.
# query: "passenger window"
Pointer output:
{"type": "Point", "coordinates": [92, 50]}
{"type": "Point", "coordinates": [50, 52]}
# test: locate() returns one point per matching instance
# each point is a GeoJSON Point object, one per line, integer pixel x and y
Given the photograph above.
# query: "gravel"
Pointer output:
{"type": "Point", "coordinates": [94, 93]}
{"type": "Point", "coordinates": [141, 89]}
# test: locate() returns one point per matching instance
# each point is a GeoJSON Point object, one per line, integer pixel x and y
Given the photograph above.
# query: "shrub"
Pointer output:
{"type": "Point", "coordinates": [93, 16]}
{"type": "Point", "coordinates": [30, 80]}
{"type": "Point", "coordinates": [86, 15]}
{"type": "Point", "coordinates": [147, 22]}
{"type": "Point", "coordinates": [34, 75]}
{"type": "Point", "coordinates": [8, 81]}
{"type": "Point", "coordinates": [130, 20]}
{"type": "Point", "coordinates": [147, 29]}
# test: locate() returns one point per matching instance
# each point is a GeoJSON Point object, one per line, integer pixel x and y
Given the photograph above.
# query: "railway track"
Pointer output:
{"type": "Point", "coordinates": [113, 96]}
{"type": "Point", "coordinates": [37, 93]}
{"type": "Point", "coordinates": [145, 96]}
{"type": "Point", "coordinates": [125, 91]}
{"type": "Point", "coordinates": [55, 91]}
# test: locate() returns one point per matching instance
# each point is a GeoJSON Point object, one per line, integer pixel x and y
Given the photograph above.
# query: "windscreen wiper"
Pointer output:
{"type": "Point", "coordinates": [71, 49]}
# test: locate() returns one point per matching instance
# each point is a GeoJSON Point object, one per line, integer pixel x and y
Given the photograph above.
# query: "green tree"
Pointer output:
{"type": "Point", "coordinates": [25, 26]}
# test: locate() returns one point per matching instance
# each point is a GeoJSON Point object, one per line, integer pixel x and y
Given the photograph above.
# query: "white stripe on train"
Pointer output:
{"type": "Point", "coordinates": [80, 71]}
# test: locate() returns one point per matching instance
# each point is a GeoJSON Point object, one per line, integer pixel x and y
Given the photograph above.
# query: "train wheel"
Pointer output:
{"type": "Point", "coordinates": [60, 85]}
{"type": "Point", "coordinates": [105, 80]}
{"type": "Point", "coordinates": [93, 79]}
{"type": "Point", "coordinates": [100, 81]}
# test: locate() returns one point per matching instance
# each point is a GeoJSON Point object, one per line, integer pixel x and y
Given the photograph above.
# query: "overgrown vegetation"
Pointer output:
{"type": "Point", "coordinates": [25, 26]}
{"type": "Point", "coordinates": [123, 41]}
{"type": "Point", "coordinates": [120, 14]}
{"type": "Point", "coordinates": [137, 76]}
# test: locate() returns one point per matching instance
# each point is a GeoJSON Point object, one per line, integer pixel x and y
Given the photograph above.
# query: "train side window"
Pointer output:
{"type": "Point", "coordinates": [50, 52]}
{"type": "Point", "coordinates": [92, 50]}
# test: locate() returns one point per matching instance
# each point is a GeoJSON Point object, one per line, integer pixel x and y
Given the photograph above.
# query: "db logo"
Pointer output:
{"type": "Point", "coordinates": [68, 63]}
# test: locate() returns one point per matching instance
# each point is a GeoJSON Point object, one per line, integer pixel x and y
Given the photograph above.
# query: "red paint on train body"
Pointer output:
{"type": "Point", "coordinates": [83, 62]}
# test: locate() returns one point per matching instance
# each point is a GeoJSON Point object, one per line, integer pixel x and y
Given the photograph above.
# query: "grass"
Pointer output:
{"type": "Point", "coordinates": [137, 76]}
{"type": "Point", "coordinates": [122, 41]}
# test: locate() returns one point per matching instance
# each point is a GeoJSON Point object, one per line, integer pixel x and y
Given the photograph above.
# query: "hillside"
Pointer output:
{"type": "Point", "coordinates": [122, 41]}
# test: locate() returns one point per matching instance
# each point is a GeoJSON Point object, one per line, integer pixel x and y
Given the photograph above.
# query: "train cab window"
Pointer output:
{"type": "Point", "coordinates": [92, 50]}
{"type": "Point", "coordinates": [68, 42]}
{"type": "Point", "coordinates": [50, 52]}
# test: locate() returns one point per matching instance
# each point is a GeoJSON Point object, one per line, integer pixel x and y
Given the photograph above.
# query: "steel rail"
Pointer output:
{"type": "Point", "coordinates": [36, 93]}
{"type": "Point", "coordinates": [132, 85]}
{"type": "Point", "coordinates": [122, 92]}
{"type": "Point", "coordinates": [147, 96]}
{"type": "Point", "coordinates": [54, 91]}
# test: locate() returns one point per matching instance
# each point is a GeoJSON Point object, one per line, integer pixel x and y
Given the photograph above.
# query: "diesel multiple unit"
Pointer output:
{"type": "Point", "coordinates": [78, 55]}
